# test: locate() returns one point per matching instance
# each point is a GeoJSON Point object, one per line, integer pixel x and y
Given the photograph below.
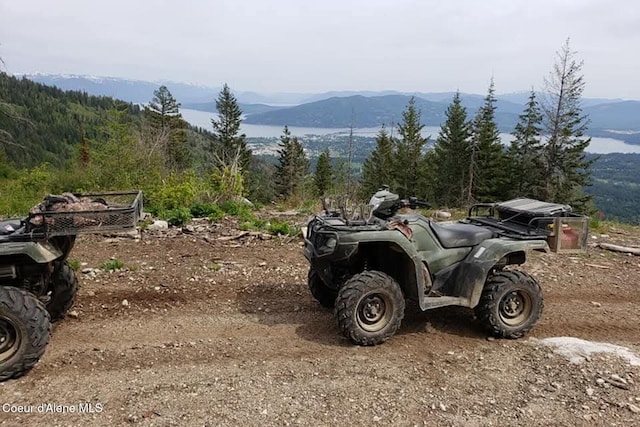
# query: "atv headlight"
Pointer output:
{"type": "Point", "coordinates": [328, 246]}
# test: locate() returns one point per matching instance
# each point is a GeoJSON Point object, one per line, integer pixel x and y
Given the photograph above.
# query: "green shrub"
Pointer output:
{"type": "Point", "coordinates": [231, 207]}
{"type": "Point", "coordinates": [144, 224]}
{"type": "Point", "coordinates": [177, 216]}
{"type": "Point", "coordinates": [175, 191]}
{"type": "Point", "coordinates": [112, 265]}
{"type": "Point", "coordinates": [227, 182]}
{"type": "Point", "coordinates": [203, 210]}
{"type": "Point", "coordinates": [216, 215]}
{"type": "Point", "coordinates": [246, 215]}
{"type": "Point", "coordinates": [282, 228]}
{"type": "Point", "coordinates": [248, 226]}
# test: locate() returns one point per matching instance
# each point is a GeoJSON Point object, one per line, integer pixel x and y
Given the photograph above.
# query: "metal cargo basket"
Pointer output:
{"type": "Point", "coordinates": [121, 213]}
{"type": "Point", "coordinates": [525, 218]}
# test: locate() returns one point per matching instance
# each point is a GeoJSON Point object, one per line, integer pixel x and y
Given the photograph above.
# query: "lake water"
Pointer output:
{"type": "Point", "coordinates": [203, 120]}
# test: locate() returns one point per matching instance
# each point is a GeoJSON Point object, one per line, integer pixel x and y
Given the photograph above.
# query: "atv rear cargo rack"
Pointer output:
{"type": "Point", "coordinates": [121, 213]}
{"type": "Point", "coordinates": [523, 219]}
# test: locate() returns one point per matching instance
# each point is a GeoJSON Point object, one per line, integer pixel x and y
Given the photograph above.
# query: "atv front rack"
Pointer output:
{"type": "Point", "coordinates": [122, 211]}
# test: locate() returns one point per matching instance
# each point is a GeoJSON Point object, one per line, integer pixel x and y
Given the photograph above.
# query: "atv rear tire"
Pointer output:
{"type": "Point", "coordinates": [24, 331]}
{"type": "Point", "coordinates": [511, 303]}
{"type": "Point", "coordinates": [63, 288]}
{"type": "Point", "coordinates": [321, 292]}
{"type": "Point", "coordinates": [370, 308]}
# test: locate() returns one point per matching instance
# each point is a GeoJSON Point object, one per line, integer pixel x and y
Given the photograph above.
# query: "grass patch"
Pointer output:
{"type": "Point", "coordinates": [73, 263]}
{"type": "Point", "coordinates": [282, 228]}
{"type": "Point", "coordinates": [112, 265]}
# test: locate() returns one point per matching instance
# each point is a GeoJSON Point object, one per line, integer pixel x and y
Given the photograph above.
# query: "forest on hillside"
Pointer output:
{"type": "Point", "coordinates": [615, 185]}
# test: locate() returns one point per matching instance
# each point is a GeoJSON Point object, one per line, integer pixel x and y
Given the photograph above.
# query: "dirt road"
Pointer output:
{"type": "Point", "coordinates": [205, 332]}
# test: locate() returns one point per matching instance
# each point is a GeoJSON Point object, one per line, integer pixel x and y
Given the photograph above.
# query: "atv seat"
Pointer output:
{"type": "Point", "coordinates": [457, 235]}
{"type": "Point", "coordinates": [9, 226]}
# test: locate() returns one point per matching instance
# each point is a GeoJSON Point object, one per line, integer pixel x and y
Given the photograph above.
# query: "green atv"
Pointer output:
{"type": "Point", "coordinates": [368, 265]}
{"type": "Point", "coordinates": [37, 284]}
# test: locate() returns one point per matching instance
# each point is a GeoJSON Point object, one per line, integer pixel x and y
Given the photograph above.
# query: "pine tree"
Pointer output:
{"type": "Point", "coordinates": [84, 154]}
{"type": "Point", "coordinates": [378, 167]}
{"type": "Point", "coordinates": [487, 175]}
{"type": "Point", "coordinates": [163, 107]}
{"type": "Point", "coordinates": [4, 135]}
{"type": "Point", "coordinates": [566, 167]}
{"type": "Point", "coordinates": [451, 156]}
{"type": "Point", "coordinates": [168, 129]}
{"type": "Point", "coordinates": [292, 167]}
{"type": "Point", "coordinates": [229, 143]}
{"type": "Point", "coordinates": [409, 151]}
{"type": "Point", "coordinates": [324, 171]}
{"type": "Point", "coordinates": [525, 154]}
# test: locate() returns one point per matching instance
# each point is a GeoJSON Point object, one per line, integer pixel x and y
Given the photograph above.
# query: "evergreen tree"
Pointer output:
{"type": "Point", "coordinates": [566, 167]}
{"type": "Point", "coordinates": [168, 129]}
{"type": "Point", "coordinates": [324, 171]}
{"type": "Point", "coordinates": [409, 151]}
{"type": "Point", "coordinates": [4, 135]}
{"type": "Point", "coordinates": [525, 154]}
{"type": "Point", "coordinates": [340, 177]}
{"type": "Point", "coordinates": [451, 156]}
{"type": "Point", "coordinates": [261, 186]}
{"type": "Point", "coordinates": [228, 142]}
{"type": "Point", "coordinates": [378, 167]}
{"type": "Point", "coordinates": [487, 175]}
{"type": "Point", "coordinates": [84, 155]}
{"type": "Point", "coordinates": [292, 166]}
{"type": "Point", "coordinates": [163, 107]}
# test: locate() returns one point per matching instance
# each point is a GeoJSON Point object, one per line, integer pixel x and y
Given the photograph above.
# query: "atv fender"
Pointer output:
{"type": "Point", "coordinates": [40, 252]}
{"type": "Point", "coordinates": [350, 246]}
{"type": "Point", "coordinates": [391, 238]}
{"type": "Point", "coordinates": [476, 267]}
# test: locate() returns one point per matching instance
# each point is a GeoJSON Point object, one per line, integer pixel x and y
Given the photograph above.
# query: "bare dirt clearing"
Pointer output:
{"type": "Point", "coordinates": [200, 331]}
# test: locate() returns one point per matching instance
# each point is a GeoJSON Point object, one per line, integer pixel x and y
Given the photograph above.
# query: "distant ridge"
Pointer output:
{"type": "Point", "coordinates": [335, 109]}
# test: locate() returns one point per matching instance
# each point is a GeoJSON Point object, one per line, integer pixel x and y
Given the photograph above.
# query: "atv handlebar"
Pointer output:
{"type": "Point", "coordinates": [391, 210]}
{"type": "Point", "coordinates": [413, 203]}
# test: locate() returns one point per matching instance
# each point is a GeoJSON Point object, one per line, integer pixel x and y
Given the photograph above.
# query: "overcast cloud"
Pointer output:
{"type": "Point", "coordinates": [315, 46]}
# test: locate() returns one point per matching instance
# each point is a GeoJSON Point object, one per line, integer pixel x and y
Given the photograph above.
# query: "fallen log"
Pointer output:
{"type": "Point", "coordinates": [618, 248]}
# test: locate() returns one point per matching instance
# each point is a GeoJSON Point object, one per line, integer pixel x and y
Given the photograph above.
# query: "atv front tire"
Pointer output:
{"type": "Point", "coordinates": [511, 303]}
{"type": "Point", "coordinates": [321, 292]}
{"type": "Point", "coordinates": [24, 331]}
{"type": "Point", "coordinates": [63, 288]}
{"type": "Point", "coordinates": [370, 308]}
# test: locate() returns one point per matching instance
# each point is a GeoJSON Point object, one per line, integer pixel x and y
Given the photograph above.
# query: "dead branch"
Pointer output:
{"type": "Point", "coordinates": [237, 236]}
{"type": "Point", "coordinates": [606, 267]}
{"type": "Point", "coordinates": [618, 248]}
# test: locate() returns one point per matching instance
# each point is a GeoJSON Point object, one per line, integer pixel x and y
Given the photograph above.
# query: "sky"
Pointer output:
{"type": "Point", "coordinates": [271, 46]}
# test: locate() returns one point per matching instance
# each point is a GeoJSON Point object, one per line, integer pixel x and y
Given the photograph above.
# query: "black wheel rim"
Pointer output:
{"type": "Point", "coordinates": [10, 339]}
{"type": "Point", "coordinates": [515, 308]}
{"type": "Point", "coordinates": [374, 311]}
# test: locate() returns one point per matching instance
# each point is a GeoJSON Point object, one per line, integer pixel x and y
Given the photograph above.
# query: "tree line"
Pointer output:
{"type": "Point", "coordinates": [467, 163]}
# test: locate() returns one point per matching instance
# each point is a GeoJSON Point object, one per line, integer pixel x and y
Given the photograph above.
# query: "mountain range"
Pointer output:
{"type": "Point", "coordinates": [341, 109]}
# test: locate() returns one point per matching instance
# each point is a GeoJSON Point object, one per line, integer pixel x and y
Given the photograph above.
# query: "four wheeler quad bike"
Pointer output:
{"type": "Point", "coordinates": [37, 285]}
{"type": "Point", "coordinates": [368, 266]}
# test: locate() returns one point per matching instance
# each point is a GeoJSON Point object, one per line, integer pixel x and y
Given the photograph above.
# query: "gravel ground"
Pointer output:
{"type": "Point", "coordinates": [201, 331]}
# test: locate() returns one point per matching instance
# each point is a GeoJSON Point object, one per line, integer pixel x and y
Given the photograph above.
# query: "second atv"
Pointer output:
{"type": "Point", "coordinates": [368, 267]}
{"type": "Point", "coordinates": [37, 284]}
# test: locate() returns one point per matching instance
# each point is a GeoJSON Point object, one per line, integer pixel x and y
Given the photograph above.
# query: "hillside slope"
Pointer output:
{"type": "Point", "coordinates": [46, 123]}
